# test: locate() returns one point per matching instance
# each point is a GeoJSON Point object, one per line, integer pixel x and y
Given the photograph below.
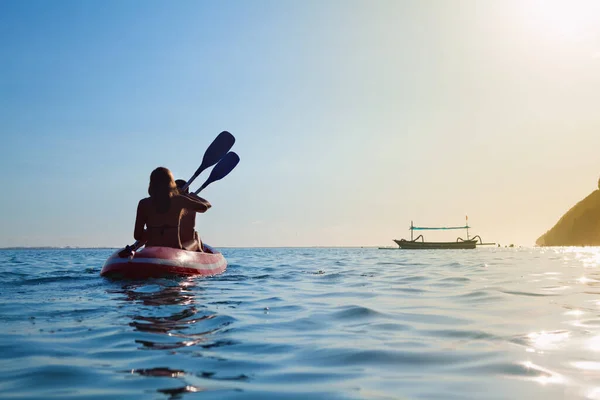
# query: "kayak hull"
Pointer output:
{"type": "Point", "coordinates": [164, 261]}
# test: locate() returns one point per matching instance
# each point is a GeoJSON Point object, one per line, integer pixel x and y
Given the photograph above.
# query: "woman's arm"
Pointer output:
{"type": "Point", "coordinates": [193, 202]}
{"type": "Point", "coordinates": [140, 222]}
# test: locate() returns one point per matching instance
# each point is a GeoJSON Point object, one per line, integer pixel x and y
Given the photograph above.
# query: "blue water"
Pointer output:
{"type": "Point", "coordinates": [491, 323]}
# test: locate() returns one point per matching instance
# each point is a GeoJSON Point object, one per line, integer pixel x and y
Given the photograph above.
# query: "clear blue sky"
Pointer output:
{"type": "Point", "coordinates": [352, 118]}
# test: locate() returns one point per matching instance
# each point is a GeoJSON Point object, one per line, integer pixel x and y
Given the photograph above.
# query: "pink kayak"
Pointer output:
{"type": "Point", "coordinates": [161, 261]}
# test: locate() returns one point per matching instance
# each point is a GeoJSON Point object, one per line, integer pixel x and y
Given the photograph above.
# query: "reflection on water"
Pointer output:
{"type": "Point", "coordinates": [172, 373]}
{"type": "Point", "coordinates": [543, 375]}
{"type": "Point", "coordinates": [184, 321]}
{"type": "Point", "coordinates": [547, 340]}
{"type": "Point", "coordinates": [306, 323]}
{"type": "Point", "coordinates": [177, 392]}
{"type": "Point", "coordinates": [171, 313]}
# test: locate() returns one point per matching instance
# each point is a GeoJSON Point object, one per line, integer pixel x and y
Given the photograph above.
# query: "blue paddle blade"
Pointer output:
{"type": "Point", "coordinates": [215, 152]}
{"type": "Point", "coordinates": [221, 170]}
{"type": "Point", "coordinates": [217, 149]}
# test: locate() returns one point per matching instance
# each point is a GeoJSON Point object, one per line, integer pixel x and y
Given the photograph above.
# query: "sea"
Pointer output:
{"type": "Point", "coordinates": [305, 323]}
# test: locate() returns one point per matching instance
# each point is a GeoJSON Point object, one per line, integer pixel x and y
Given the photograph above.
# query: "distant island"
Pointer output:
{"type": "Point", "coordinates": [580, 226]}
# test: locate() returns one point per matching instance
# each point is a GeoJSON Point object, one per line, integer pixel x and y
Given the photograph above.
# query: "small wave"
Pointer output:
{"type": "Point", "coordinates": [406, 359]}
{"type": "Point", "coordinates": [456, 279]}
{"type": "Point", "coordinates": [415, 278]}
{"type": "Point", "coordinates": [51, 279]}
{"type": "Point", "coordinates": [528, 294]}
{"type": "Point", "coordinates": [459, 334]}
{"type": "Point", "coordinates": [331, 277]}
{"type": "Point", "coordinates": [409, 290]}
{"type": "Point", "coordinates": [356, 312]}
{"type": "Point", "coordinates": [390, 326]}
{"type": "Point", "coordinates": [479, 295]}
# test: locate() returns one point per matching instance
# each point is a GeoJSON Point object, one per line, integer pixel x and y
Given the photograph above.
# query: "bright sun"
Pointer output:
{"type": "Point", "coordinates": [565, 20]}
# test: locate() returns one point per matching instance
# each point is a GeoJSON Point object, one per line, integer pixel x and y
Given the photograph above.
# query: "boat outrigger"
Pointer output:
{"type": "Point", "coordinates": [460, 243]}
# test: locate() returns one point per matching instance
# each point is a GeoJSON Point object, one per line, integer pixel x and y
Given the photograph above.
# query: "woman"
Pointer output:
{"type": "Point", "coordinates": [160, 213]}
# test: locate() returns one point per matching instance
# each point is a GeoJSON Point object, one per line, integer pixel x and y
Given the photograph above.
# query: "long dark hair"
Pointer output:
{"type": "Point", "coordinates": [161, 188]}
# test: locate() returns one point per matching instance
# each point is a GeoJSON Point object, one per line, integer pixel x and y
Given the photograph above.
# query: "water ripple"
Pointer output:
{"type": "Point", "coordinates": [305, 323]}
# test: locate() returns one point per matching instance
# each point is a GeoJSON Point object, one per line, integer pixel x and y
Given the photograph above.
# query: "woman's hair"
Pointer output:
{"type": "Point", "coordinates": [180, 184]}
{"type": "Point", "coordinates": [161, 188]}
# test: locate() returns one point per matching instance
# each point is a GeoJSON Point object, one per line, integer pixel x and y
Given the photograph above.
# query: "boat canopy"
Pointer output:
{"type": "Point", "coordinates": [443, 228]}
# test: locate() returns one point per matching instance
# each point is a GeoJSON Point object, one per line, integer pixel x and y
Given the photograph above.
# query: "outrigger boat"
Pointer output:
{"type": "Point", "coordinates": [460, 243]}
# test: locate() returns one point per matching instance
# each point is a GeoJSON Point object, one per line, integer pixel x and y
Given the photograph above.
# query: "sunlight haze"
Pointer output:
{"type": "Point", "coordinates": [352, 118]}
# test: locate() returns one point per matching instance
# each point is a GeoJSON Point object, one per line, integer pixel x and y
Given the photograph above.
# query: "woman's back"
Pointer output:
{"type": "Point", "coordinates": [162, 227]}
{"type": "Point", "coordinates": [160, 213]}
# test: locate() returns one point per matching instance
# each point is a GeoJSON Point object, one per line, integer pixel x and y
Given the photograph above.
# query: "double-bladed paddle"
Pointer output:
{"type": "Point", "coordinates": [221, 170]}
{"type": "Point", "coordinates": [213, 154]}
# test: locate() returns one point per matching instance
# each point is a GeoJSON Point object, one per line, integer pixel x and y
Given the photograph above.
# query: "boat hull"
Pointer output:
{"type": "Point", "coordinates": [414, 245]}
{"type": "Point", "coordinates": [164, 261]}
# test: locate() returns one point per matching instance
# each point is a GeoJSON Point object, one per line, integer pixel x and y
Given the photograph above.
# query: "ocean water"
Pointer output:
{"type": "Point", "coordinates": [318, 323]}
